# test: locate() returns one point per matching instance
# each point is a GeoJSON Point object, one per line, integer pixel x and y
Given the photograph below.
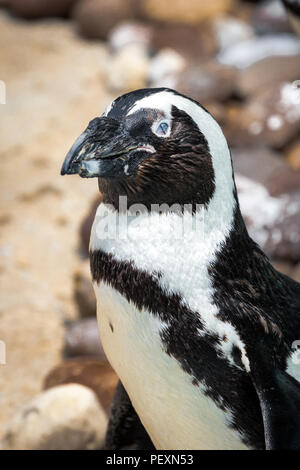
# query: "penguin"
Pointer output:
{"type": "Point", "coordinates": [199, 326]}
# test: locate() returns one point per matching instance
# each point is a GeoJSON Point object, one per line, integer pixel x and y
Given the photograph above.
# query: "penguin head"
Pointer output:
{"type": "Point", "coordinates": [154, 146]}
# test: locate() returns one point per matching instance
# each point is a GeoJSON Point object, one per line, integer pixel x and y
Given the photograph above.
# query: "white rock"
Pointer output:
{"type": "Point", "coordinates": [164, 68]}
{"type": "Point", "coordinates": [66, 417]}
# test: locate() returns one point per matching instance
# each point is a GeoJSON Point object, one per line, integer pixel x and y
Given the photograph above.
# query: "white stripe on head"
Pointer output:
{"type": "Point", "coordinates": [220, 209]}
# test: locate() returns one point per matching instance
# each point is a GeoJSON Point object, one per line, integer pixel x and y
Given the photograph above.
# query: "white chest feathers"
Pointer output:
{"type": "Point", "coordinates": [175, 413]}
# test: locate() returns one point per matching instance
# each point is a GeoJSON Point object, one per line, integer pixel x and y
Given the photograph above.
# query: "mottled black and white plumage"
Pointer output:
{"type": "Point", "coordinates": [199, 327]}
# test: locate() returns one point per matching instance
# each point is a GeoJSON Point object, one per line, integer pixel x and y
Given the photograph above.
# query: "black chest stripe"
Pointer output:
{"type": "Point", "coordinates": [229, 387]}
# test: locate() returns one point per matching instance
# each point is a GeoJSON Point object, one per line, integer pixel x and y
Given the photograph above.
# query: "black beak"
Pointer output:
{"type": "Point", "coordinates": [68, 167]}
{"type": "Point", "coordinates": [100, 151]}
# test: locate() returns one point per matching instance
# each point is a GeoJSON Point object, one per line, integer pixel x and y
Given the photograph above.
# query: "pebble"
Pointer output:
{"type": "Point", "coordinates": [31, 9]}
{"type": "Point", "coordinates": [293, 155]}
{"type": "Point", "coordinates": [84, 294]}
{"type": "Point", "coordinates": [179, 11]}
{"type": "Point", "coordinates": [95, 18]}
{"type": "Point", "coordinates": [230, 31]}
{"type": "Point", "coordinates": [82, 339]}
{"type": "Point", "coordinates": [127, 33]}
{"type": "Point", "coordinates": [127, 69]}
{"type": "Point", "coordinates": [273, 222]}
{"type": "Point", "coordinates": [271, 117]}
{"type": "Point", "coordinates": [67, 417]}
{"type": "Point", "coordinates": [246, 53]}
{"type": "Point", "coordinates": [270, 16]}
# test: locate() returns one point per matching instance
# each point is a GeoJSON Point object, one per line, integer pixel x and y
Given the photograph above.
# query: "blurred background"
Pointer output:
{"type": "Point", "coordinates": [61, 63]}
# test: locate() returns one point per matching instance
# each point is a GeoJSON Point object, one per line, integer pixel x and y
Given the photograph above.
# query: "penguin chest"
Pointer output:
{"type": "Point", "coordinates": [175, 413]}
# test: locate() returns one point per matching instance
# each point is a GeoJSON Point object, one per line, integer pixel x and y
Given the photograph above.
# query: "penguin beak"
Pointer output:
{"type": "Point", "coordinates": [100, 151]}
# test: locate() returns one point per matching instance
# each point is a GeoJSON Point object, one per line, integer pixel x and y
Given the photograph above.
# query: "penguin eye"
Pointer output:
{"type": "Point", "coordinates": [162, 128]}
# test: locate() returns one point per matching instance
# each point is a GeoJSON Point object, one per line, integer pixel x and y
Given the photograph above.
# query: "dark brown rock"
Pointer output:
{"type": "Point", "coordinates": [84, 295]}
{"type": "Point", "coordinates": [95, 374]}
{"type": "Point", "coordinates": [82, 339]}
{"type": "Point", "coordinates": [95, 18]}
{"type": "Point", "coordinates": [190, 41]}
{"type": "Point", "coordinates": [40, 8]}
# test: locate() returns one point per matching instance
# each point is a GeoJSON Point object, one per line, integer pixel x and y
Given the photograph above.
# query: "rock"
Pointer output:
{"type": "Point", "coordinates": [273, 222]}
{"type": "Point", "coordinates": [270, 17]}
{"type": "Point", "coordinates": [96, 374]}
{"type": "Point", "coordinates": [192, 13]}
{"type": "Point", "coordinates": [128, 69]}
{"type": "Point", "coordinates": [284, 267]}
{"type": "Point", "coordinates": [164, 68]}
{"type": "Point", "coordinates": [230, 31]}
{"type": "Point", "coordinates": [283, 241]}
{"type": "Point", "coordinates": [266, 72]}
{"type": "Point", "coordinates": [40, 8]}
{"type": "Point", "coordinates": [86, 226]}
{"type": "Point", "coordinates": [259, 164]}
{"type": "Point", "coordinates": [95, 18]}
{"type": "Point", "coordinates": [67, 417]}
{"type": "Point", "coordinates": [246, 53]}
{"type": "Point", "coordinates": [293, 155]}
{"type": "Point", "coordinates": [84, 294]}
{"type": "Point", "coordinates": [293, 9]}
{"type": "Point", "coordinates": [190, 41]}
{"type": "Point", "coordinates": [295, 274]}
{"type": "Point", "coordinates": [271, 117]}
{"type": "Point", "coordinates": [286, 181]}
{"type": "Point", "coordinates": [127, 33]}
{"type": "Point", "coordinates": [207, 82]}
{"type": "Point", "coordinates": [82, 339]}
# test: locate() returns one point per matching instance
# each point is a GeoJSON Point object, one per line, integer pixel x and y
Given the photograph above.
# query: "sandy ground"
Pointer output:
{"type": "Point", "coordinates": [54, 88]}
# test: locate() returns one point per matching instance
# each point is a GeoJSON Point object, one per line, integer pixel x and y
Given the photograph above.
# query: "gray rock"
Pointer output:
{"type": "Point", "coordinates": [84, 294]}
{"type": "Point", "coordinates": [67, 417]}
{"type": "Point", "coordinates": [248, 52]}
{"type": "Point", "coordinates": [82, 339]}
{"type": "Point", "coordinates": [270, 16]}
{"type": "Point", "coordinates": [271, 117]}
